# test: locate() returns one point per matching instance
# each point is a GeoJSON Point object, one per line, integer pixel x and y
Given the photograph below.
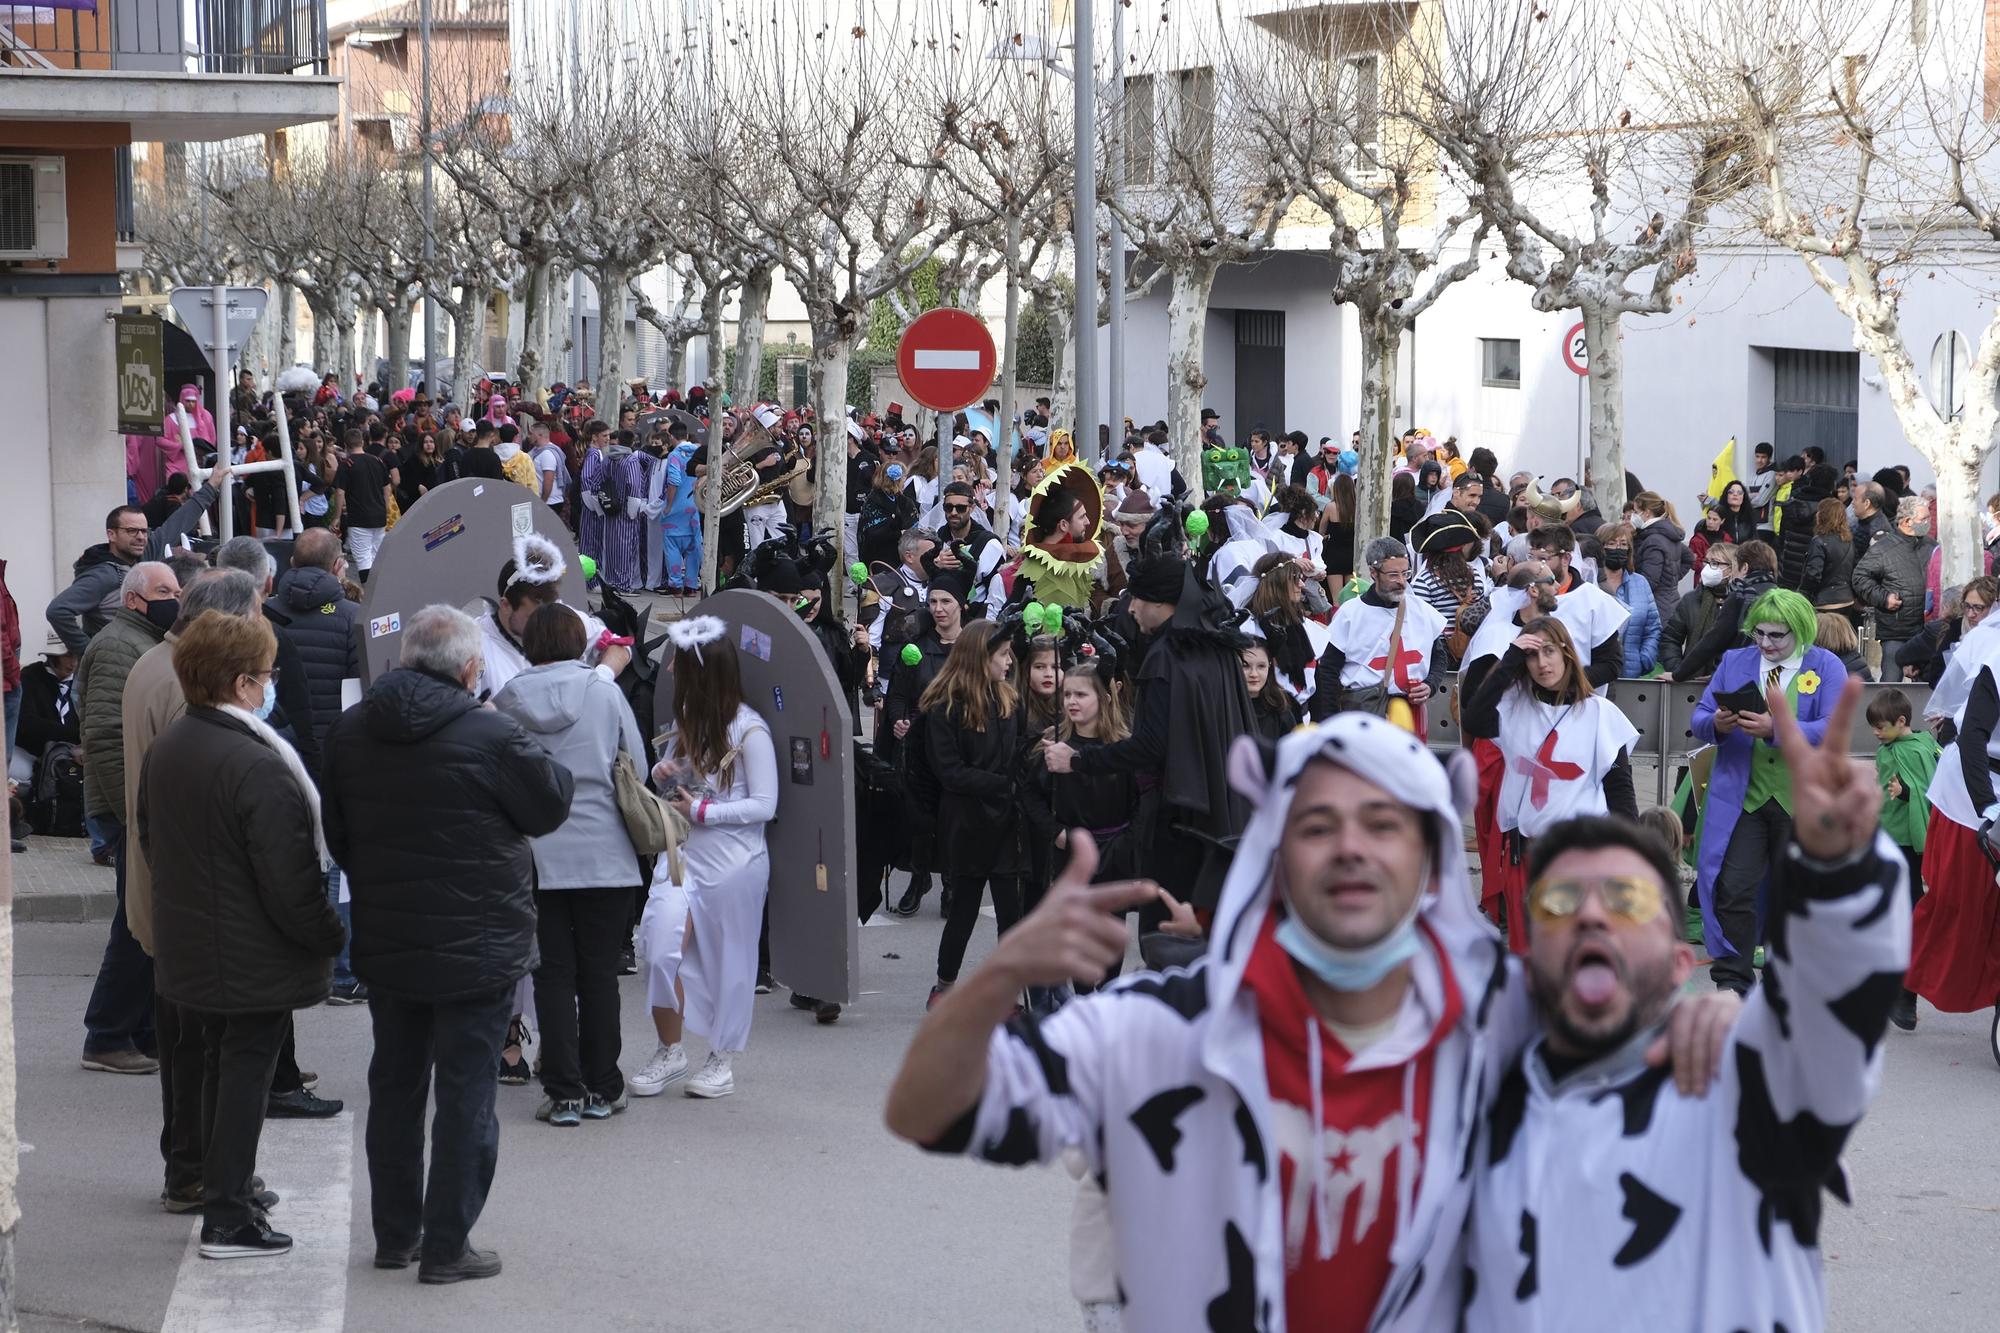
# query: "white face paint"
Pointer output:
{"type": "Point", "coordinates": [1774, 639]}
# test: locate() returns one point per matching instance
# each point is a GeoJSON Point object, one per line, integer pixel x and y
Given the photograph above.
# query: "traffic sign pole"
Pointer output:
{"type": "Point", "coordinates": [218, 357]}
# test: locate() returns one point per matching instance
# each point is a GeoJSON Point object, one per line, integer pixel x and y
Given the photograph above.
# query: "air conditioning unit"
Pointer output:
{"type": "Point", "coordinates": [34, 209]}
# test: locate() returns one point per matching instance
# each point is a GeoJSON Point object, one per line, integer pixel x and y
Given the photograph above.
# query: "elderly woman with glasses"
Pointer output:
{"type": "Point", "coordinates": [1747, 821]}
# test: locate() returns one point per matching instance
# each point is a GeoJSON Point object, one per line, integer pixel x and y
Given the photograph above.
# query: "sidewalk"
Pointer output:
{"type": "Point", "coordinates": [54, 880]}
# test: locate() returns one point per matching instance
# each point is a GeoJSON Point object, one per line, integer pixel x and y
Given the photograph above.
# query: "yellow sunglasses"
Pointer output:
{"type": "Point", "coordinates": [1627, 897]}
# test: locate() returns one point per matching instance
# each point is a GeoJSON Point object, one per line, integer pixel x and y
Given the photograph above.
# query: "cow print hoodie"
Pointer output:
{"type": "Point", "coordinates": [1160, 1081]}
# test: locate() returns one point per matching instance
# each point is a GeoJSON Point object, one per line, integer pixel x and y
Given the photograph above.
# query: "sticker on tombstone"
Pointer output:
{"type": "Point", "coordinates": [449, 547]}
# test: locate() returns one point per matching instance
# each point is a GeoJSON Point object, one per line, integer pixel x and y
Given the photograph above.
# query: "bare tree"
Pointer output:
{"type": "Point", "coordinates": [851, 218]}
{"type": "Point", "coordinates": [1204, 185]}
{"type": "Point", "coordinates": [297, 225]}
{"type": "Point", "coordinates": [1597, 205]}
{"type": "Point", "coordinates": [1874, 144]}
{"type": "Point", "coordinates": [1338, 107]}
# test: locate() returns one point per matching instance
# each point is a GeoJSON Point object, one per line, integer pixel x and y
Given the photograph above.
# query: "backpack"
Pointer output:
{"type": "Point", "coordinates": [55, 796]}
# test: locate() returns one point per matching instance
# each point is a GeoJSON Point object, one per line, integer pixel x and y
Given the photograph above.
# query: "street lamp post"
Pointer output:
{"type": "Point", "coordinates": [1085, 236]}
{"type": "Point", "coordinates": [1114, 398]}
{"type": "Point", "coordinates": [430, 222]}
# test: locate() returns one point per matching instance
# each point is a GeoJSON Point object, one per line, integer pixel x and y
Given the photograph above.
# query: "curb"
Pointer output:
{"type": "Point", "coordinates": [70, 907]}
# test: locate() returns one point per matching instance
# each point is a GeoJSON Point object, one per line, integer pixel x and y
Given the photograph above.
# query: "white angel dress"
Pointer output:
{"type": "Point", "coordinates": [704, 929]}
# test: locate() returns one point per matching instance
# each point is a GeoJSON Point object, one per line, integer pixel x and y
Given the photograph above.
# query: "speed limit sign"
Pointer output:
{"type": "Point", "coordinates": [1576, 350]}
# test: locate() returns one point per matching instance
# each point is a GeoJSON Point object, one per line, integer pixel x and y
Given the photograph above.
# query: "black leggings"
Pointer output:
{"type": "Point", "coordinates": [966, 895]}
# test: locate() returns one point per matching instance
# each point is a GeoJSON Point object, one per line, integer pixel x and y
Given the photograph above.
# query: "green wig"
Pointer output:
{"type": "Point", "coordinates": [1781, 606]}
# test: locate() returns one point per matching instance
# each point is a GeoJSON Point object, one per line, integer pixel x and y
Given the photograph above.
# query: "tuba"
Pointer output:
{"type": "Point", "coordinates": [740, 486]}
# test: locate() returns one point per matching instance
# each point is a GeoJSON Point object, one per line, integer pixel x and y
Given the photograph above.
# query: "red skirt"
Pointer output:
{"type": "Point", "coordinates": [1499, 881]}
{"type": "Point", "coordinates": [1955, 934]}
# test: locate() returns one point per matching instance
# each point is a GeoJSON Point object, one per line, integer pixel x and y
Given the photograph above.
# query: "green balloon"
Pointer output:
{"type": "Point", "coordinates": [912, 654]}
{"type": "Point", "coordinates": [1197, 525]}
{"type": "Point", "coordinates": [858, 572]}
{"type": "Point", "coordinates": [588, 566]}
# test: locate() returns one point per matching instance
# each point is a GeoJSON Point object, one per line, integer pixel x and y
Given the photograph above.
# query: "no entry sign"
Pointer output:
{"type": "Point", "coordinates": [946, 359]}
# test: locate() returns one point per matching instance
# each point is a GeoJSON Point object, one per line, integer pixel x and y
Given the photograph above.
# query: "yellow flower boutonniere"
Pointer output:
{"type": "Point", "coordinates": [1808, 682]}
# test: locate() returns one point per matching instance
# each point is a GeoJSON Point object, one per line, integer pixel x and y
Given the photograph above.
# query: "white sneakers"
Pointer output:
{"type": "Point", "coordinates": [668, 1065]}
{"type": "Point", "coordinates": [714, 1080]}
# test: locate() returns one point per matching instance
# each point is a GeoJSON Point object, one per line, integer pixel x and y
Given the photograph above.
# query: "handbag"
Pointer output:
{"type": "Point", "coordinates": [653, 826]}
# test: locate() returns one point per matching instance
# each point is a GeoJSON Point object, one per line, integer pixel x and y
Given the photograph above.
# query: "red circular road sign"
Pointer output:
{"type": "Point", "coordinates": [1576, 350]}
{"type": "Point", "coordinates": [946, 359]}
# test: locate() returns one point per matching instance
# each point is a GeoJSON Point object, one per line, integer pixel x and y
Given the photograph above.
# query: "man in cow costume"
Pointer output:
{"type": "Point", "coordinates": [1283, 1130]}
{"type": "Point", "coordinates": [1604, 1198]}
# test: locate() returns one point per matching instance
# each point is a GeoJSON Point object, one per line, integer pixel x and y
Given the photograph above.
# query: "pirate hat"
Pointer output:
{"type": "Point", "coordinates": [1446, 530]}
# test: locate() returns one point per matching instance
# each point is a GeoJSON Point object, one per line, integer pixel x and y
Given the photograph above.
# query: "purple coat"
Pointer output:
{"type": "Point", "coordinates": [1730, 780]}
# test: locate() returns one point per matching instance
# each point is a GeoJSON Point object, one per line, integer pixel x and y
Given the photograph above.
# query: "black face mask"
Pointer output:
{"type": "Point", "coordinates": [1614, 559]}
{"type": "Point", "coordinates": [164, 612]}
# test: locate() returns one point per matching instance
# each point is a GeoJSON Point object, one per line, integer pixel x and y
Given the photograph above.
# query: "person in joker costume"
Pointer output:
{"type": "Point", "coordinates": [1748, 817]}
{"type": "Point", "coordinates": [1565, 749]}
{"type": "Point", "coordinates": [719, 769]}
{"type": "Point", "coordinates": [1280, 1128]}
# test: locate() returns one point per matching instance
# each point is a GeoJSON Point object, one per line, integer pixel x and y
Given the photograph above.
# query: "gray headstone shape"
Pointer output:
{"type": "Point", "coordinates": [448, 547]}
{"type": "Point", "coordinates": [815, 937]}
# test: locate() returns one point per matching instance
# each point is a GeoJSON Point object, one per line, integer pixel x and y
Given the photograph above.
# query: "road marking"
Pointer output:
{"type": "Point", "coordinates": [945, 358]}
{"type": "Point", "coordinates": [310, 1163]}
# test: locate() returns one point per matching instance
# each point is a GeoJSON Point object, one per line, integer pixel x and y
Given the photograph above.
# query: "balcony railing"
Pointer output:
{"type": "Point", "coordinates": [165, 36]}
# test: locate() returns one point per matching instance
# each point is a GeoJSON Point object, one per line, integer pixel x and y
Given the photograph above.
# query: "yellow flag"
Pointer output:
{"type": "Point", "coordinates": [1722, 470]}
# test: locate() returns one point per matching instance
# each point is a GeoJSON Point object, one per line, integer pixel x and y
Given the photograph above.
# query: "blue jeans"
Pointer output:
{"type": "Point", "coordinates": [343, 975]}
{"type": "Point", "coordinates": [103, 830]}
{"type": "Point", "coordinates": [13, 709]}
{"type": "Point", "coordinates": [120, 1013]}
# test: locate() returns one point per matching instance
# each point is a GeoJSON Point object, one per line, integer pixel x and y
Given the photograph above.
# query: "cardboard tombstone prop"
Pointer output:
{"type": "Point", "coordinates": [448, 547]}
{"type": "Point", "coordinates": [787, 681]}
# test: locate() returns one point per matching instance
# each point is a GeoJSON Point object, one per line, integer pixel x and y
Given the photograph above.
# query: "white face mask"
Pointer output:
{"type": "Point", "coordinates": [1713, 576]}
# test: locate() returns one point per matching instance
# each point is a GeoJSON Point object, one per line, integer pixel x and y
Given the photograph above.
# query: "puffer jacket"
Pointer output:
{"type": "Point", "coordinates": [316, 614]}
{"type": "Point", "coordinates": [1795, 536]}
{"type": "Point", "coordinates": [429, 802]}
{"type": "Point", "coordinates": [1661, 556]}
{"type": "Point", "coordinates": [583, 721]}
{"type": "Point", "coordinates": [100, 694]}
{"type": "Point", "coordinates": [241, 922]}
{"type": "Point", "coordinates": [1894, 564]}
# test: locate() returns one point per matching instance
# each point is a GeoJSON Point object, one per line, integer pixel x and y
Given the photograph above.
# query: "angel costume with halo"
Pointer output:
{"type": "Point", "coordinates": [703, 928]}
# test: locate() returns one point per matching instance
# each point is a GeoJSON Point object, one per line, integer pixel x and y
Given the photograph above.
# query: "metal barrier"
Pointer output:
{"type": "Point", "coordinates": [1663, 713]}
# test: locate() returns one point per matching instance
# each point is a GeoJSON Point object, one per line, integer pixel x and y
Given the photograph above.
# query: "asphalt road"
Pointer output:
{"type": "Point", "coordinates": [786, 1206]}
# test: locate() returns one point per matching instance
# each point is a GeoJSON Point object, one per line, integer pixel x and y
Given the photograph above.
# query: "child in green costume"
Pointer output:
{"type": "Point", "coordinates": [1905, 761]}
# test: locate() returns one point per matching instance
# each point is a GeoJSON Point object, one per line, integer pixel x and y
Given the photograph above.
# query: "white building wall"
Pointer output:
{"type": "Point", "coordinates": [1693, 379]}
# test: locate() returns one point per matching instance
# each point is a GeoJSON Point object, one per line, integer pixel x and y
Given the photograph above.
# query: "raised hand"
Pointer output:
{"type": "Point", "coordinates": [1836, 802]}
{"type": "Point", "coordinates": [1076, 932]}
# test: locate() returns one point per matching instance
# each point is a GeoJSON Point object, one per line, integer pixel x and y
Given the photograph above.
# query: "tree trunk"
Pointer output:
{"type": "Point", "coordinates": [676, 364]}
{"type": "Point", "coordinates": [532, 365]}
{"type": "Point", "coordinates": [1380, 346]}
{"type": "Point", "coordinates": [610, 280]}
{"type": "Point", "coordinates": [1010, 352]}
{"type": "Point", "coordinates": [1603, 332]}
{"type": "Point", "coordinates": [832, 351]}
{"type": "Point", "coordinates": [402, 321]}
{"type": "Point", "coordinates": [1064, 389]}
{"type": "Point", "coordinates": [324, 355]}
{"type": "Point", "coordinates": [711, 493]}
{"type": "Point", "coordinates": [345, 313]}
{"type": "Point", "coordinates": [370, 331]}
{"type": "Point", "coordinates": [288, 309]}
{"type": "Point", "coordinates": [1187, 323]}
{"type": "Point", "coordinates": [1958, 465]}
{"type": "Point", "coordinates": [752, 302]}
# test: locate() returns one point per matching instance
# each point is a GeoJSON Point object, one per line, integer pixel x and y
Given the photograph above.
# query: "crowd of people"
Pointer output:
{"type": "Point", "coordinates": [1084, 699]}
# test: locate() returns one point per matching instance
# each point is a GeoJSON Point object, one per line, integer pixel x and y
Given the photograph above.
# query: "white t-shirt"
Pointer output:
{"type": "Point", "coordinates": [549, 462]}
{"type": "Point", "coordinates": [1361, 632]}
{"type": "Point", "coordinates": [1557, 756]}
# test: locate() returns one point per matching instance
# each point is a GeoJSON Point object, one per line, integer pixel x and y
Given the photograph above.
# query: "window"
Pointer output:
{"type": "Point", "coordinates": [1500, 363]}
{"type": "Point", "coordinates": [1139, 130]}
{"type": "Point", "coordinates": [1194, 142]}
{"type": "Point", "coordinates": [1361, 110]}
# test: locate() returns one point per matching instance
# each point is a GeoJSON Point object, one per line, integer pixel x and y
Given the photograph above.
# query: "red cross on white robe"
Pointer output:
{"type": "Point", "coordinates": [1543, 768]}
{"type": "Point", "coordinates": [1406, 659]}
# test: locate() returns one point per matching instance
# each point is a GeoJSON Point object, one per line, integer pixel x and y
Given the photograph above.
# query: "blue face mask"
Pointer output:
{"type": "Point", "coordinates": [270, 699]}
{"type": "Point", "coordinates": [1353, 969]}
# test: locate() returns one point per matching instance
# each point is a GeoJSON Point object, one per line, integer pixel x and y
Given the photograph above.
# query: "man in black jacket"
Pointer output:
{"type": "Point", "coordinates": [310, 606]}
{"type": "Point", "coordinates": [430, 801]}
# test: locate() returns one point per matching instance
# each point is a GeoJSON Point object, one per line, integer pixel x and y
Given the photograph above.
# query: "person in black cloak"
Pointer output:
{"type": "Point", "coordinates": [1190, 706]}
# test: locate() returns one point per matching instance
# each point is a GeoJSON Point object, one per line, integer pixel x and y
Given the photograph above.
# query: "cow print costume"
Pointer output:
{"type": "Point", "coordinates": [1159, 1080]}
{"type": "Point", "coordinates": [1607, 1195]}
